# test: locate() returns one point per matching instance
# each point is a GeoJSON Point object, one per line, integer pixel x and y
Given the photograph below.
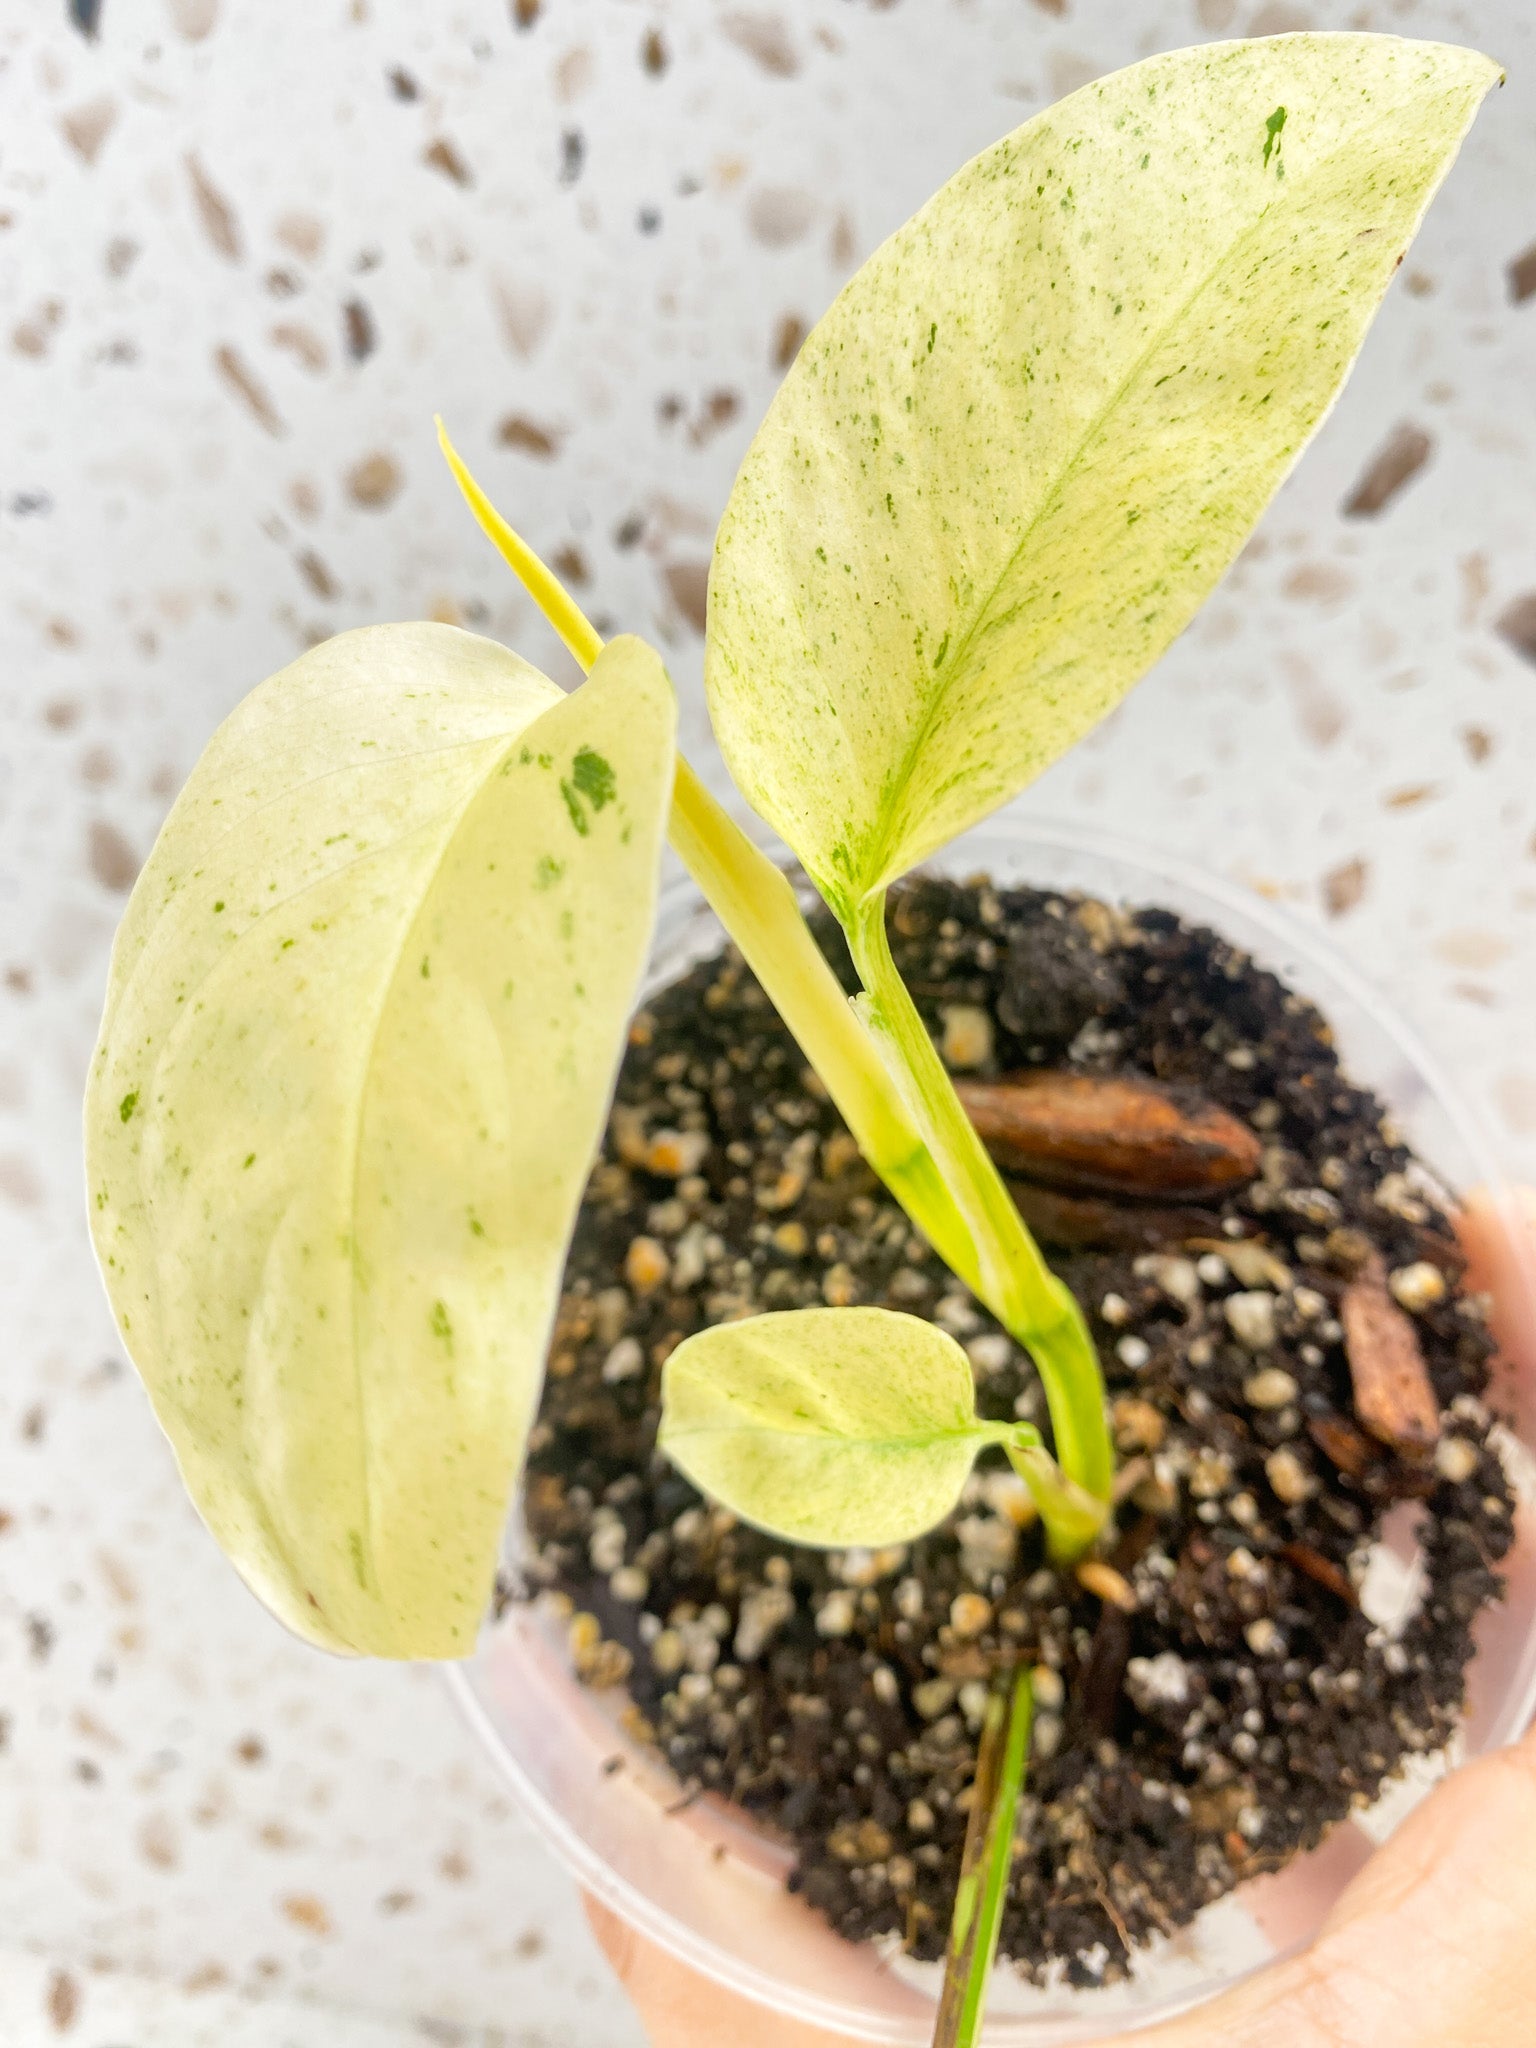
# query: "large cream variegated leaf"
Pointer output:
{"type": "Point", "coordinates": [1033, 431]}
{"type": "Point", "coordinates": [365, 1013]}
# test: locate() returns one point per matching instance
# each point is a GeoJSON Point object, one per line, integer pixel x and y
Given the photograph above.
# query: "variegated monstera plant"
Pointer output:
{"type": "Point", "coordinates": [369, 998]}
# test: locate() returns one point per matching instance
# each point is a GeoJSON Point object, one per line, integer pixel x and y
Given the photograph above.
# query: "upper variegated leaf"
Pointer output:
{"type": "Point", "coordinates": [1030, 435]}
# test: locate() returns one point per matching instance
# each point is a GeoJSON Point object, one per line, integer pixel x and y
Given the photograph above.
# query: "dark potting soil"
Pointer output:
{"type": "Point", "coordinates": [1229, 1699]}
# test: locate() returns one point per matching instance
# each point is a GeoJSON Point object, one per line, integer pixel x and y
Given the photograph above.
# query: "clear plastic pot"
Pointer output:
{"type": "Point", "coordinates": [701, 1881]}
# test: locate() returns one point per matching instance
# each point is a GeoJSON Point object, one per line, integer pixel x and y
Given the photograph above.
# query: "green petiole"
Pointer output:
{"type": "Point", "coordinates": [1026, 1296]}
{"type": "Point", "coordinates": [986, 1860]}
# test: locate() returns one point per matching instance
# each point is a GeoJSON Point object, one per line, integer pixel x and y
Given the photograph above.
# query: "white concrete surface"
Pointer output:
{"type": "Point", "coordinates": [537, 227]}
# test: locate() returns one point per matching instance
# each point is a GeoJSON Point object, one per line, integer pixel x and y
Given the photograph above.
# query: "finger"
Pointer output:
{"type": "Point", "coordinates": [682, 2009]}
{"type": "Point", "coordinates": [1432, 1946]}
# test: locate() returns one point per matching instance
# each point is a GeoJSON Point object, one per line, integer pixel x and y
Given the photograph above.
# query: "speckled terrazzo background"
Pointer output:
{"type": "Point", "coordinates": [245, 251]}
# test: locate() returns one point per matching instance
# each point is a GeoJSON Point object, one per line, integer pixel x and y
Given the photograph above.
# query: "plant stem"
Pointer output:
{"type": "Point", "coordinates": [756, 903]}
{"type": "Point", "coordinates": [986, 1860]}
{"type": "Point", "coordinates": [1027, 1297]}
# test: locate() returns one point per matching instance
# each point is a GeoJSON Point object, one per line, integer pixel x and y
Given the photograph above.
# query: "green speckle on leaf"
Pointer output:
{"type": "Point", "coordinates": [128, 1105]}
{"type": "Point", "coordinates": [249, 1161]}
{"type": "Point", "coordinates": [355, 1549]}
{"type": "Point", "coordinates": [593, 777]}
{"type": "Point", "coordinates": [547, 871]}
{"type": "Point", "coordinates": [218, 907]}
{"type": "Point", "coordinates": [426, 967]}
{"type": "Point", "coordinates": [439, 1324]}
{"type": "Point", "coordinates": [573, 805]}
{"type": "Point", "coordinates": [1272, 128]}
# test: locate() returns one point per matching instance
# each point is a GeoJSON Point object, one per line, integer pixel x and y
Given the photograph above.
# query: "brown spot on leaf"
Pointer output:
{"type": "Point", "coordinates": [525, 12]}
{"type": "Point", "coordinates": [250, 1749]}
{"type": "Point", "coordinates": [787, 337]}
{"type": "Point", "coordinates": [374, 482]}
{"type": "Point", "coordinates": [248, 388]}
{"type": "Point", "coordinates": [1344, 886]}
{"type": "Point", "coordinates": [443, 156]}
{"type": "Point", "coordinates": [454, 1866]}
{"type": "Point", "coordinates": [307, 1912]}
{"type": "Point", "coordinates": [87, 127]}
{"type": "Point", "coordinates": [214, 212]}
{"type": "Point", "coordinates": [529, 1943]}
{"type": "Point", "coordinates": [1516, 624]}
{"type": "Point", "coordinates": [1399, 459]}
{"type": "Point", "coordinates": [402, 84]}
{"type": "Point", "coordinates": [516, 431]}
{"type": "Point", "coordinates": [63, 2002]}
{"type": "Point", "coordinates": [62, 714]}
{"type": "Point", "coordinates": [1522, 276]}
{"type": "Point", "coordinates": [113, 861]}
{"type": "Point", "coordinates": [765, 38]}
{"type": "Point", "coordinates": [653, 52]}
{"type": "Point", "coordinates": [688, 584]}
{"type": "Point", "coordinates": [301, 342]}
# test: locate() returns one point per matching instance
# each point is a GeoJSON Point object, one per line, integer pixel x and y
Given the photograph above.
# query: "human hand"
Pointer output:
{"type": "Point", "coordinates": [1433, 1944]}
